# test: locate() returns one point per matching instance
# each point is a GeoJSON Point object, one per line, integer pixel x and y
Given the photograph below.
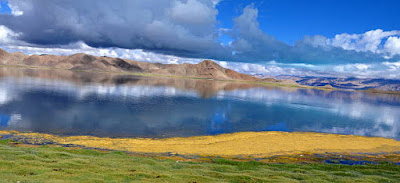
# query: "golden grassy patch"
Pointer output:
{"type": "Point", "coordinates": [252, 144]}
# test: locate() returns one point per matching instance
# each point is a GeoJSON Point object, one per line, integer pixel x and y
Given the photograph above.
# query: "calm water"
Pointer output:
{"type": "Point", "coordinates": [67, 103]}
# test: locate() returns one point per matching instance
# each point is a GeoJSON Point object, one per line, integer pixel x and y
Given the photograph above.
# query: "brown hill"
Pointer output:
{"type": "Point", "coordinates": [204, 69]}
{"type": "Point", "coordinates": [80, 61]}
{"type": "Point", "coordinates": [204, 88]}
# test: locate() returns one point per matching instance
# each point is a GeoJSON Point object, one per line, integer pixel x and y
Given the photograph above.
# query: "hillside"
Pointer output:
{"type": "Point", "coordinates": [205, 69]}
{"type": "Point", "coordinates": [80, 61]}
{"type": "Point", "coordinates": [352, 83]}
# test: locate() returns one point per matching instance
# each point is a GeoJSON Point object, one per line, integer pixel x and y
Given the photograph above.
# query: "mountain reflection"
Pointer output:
{"type": "Point", "coordinates": [103, 104]}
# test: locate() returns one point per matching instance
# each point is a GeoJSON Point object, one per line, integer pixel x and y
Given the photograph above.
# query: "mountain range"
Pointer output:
{"type": "Point", "coordinates": [80, 61]}
{"type": "Point", "coordinates": [370, 84]}
{"type": "Point", "coordinates": [206, 69]}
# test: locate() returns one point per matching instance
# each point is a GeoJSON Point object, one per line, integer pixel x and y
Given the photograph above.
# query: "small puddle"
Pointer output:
{"type": "Point", "coordinates": [350, 162]}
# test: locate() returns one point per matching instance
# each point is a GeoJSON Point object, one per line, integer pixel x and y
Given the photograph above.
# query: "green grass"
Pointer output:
{"type": "Point", "coordinates": [58, 164]}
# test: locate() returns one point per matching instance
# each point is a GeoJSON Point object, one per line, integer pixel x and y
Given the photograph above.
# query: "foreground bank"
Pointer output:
{"type": "Point", "coordinates": [243, 144]}
{"type": "Point", "coordinates": [59, 164]}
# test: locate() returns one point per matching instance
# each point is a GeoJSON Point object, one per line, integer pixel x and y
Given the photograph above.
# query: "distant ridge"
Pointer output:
{"type": "Point", "coordinates": [206, 69]}
{"type": "Point", "coordinates": [351, 83]}
{"type": "Point", "coordinates": [80, 61]}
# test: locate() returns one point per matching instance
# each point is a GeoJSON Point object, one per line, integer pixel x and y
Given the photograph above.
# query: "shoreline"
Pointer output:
{"type": "Point", "coordinates": [275, 84]}
{"type": "Point", "coordinates": [242, 145]}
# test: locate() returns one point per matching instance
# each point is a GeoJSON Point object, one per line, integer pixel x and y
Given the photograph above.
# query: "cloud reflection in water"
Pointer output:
{"type": "Point", "coordinates": [162, 110]}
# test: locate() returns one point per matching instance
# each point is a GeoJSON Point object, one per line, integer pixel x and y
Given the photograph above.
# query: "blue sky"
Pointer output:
{"type": "Point", "coordinates": [4, 8]}
{"type": "Point", "coordinates": [358, 38]}
{"type": "Point", "coordinates": [291, 20]}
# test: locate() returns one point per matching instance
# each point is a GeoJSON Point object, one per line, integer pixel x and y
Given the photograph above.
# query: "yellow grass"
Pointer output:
{"type": "Point", "coordinates": [254, 144]}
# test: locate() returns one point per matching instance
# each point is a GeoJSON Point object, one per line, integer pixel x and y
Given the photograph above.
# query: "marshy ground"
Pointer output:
{"type": "Point", "coordinates": [60, 164]}
{"type": "Point", "coordinates": [68, 159]}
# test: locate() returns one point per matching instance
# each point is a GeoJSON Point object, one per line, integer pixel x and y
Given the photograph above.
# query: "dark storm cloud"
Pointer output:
{"type": "Point", "coordinates": [175, 27]}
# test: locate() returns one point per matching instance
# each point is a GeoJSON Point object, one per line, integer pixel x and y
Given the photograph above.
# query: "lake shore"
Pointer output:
{"type": "Point", "coordinates": [242, 144]}
{"type": "Point", "coordinates": [260, 82]}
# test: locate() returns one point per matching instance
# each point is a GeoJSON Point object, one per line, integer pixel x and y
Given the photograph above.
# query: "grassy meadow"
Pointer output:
{"type": "Point", "coordinates": [26, 163]}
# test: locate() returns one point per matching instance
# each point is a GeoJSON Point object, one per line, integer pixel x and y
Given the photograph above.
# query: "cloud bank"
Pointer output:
{"type": "Point", "coordinates": [184, 28]}
{"type": "Point", "coordinates": [181, 31]}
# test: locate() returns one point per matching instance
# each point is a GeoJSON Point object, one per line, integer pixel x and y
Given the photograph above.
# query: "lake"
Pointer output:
{"type": "Point", "coordinates": [109, 105]}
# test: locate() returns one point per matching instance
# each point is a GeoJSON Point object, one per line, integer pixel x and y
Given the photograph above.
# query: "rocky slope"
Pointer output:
{"type": "Point", "coordinates": [347, 83]}
{"type": "Point", "coordinates": [354, 83]}
{"type": "Point", "coordinates": [205, 69]}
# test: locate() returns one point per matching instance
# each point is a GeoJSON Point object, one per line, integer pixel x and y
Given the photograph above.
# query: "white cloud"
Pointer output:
{"type": "Point", "coordinates": [81, 47]}
{"type": "Point", "coordinates": [352, 67]}
{"type": "Point", "coordinates": [15, 8]}
{"type": "Point", "coordinates": [370, 41]}
{"type": "Point", "coordinates": [7, 36]}
{"type": "Point", "coordinates": [393, 66]}
{"type": "Point", "coordinates": [388, 70]}
{"type": "Point", "coordinates": [271, 68]}
{"type": "Point", "coordinates": [392, 45]}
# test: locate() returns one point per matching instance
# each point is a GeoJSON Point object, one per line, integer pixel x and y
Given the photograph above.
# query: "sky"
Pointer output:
{"type": "Point", "coordinates": [290, 20]}
{"type": "Point", "coordinates": [332, 38]}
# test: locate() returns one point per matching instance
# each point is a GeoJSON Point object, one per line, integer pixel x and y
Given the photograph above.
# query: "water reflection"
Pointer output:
{"type": "Point", "coordinates": [68, 103]}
